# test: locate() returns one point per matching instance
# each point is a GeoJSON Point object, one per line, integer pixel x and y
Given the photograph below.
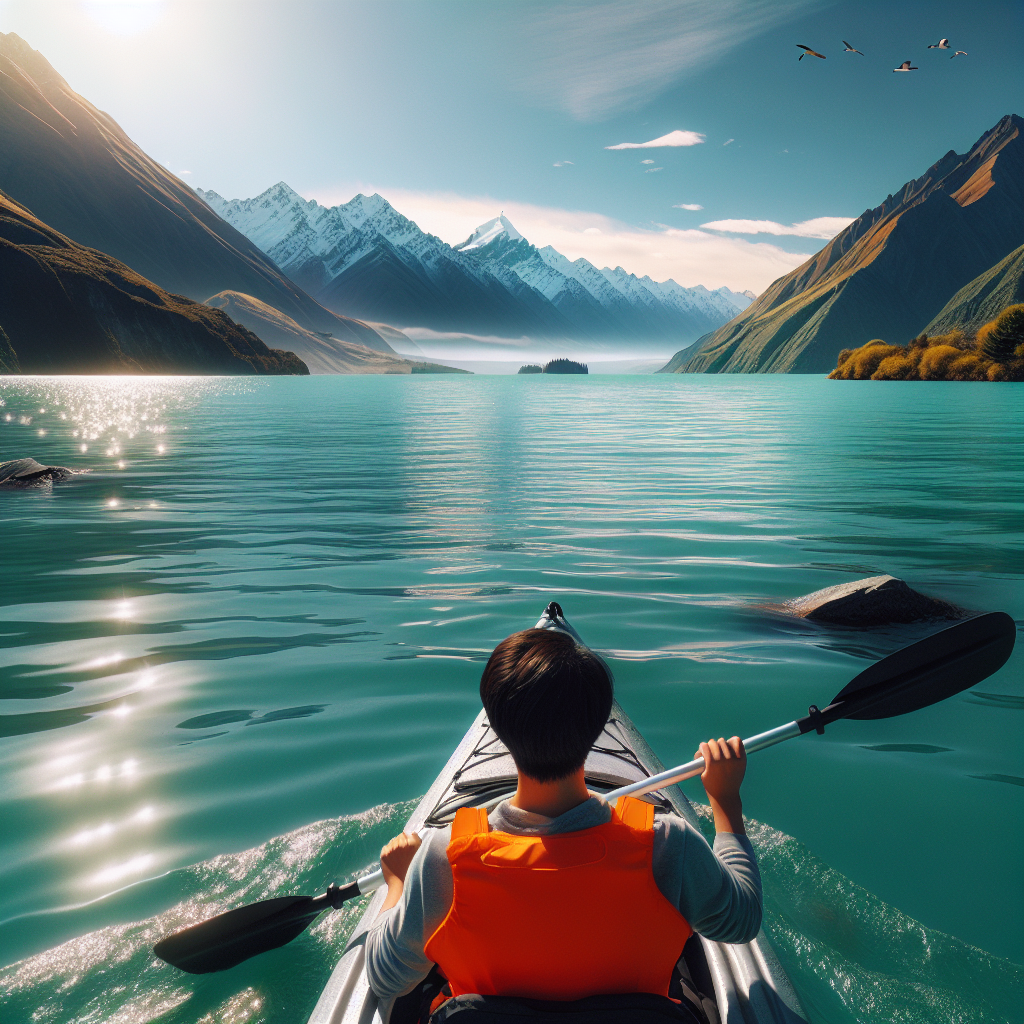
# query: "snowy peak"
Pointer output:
{"type": "Point", "coordinates": [499, 228]}
{"type": "Point", "coordinates": [365, 258]}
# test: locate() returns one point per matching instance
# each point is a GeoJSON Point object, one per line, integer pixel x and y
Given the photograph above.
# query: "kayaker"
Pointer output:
{"type": "Point", "coordinates": [504, 912]}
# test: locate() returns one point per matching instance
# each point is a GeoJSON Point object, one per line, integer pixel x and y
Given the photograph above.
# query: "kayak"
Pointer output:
{"type": "Point", "coordinates": [728, 984]}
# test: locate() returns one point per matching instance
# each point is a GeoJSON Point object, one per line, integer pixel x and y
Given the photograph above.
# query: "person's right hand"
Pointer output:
{"type": "Point", "coordinates": [725, 762]}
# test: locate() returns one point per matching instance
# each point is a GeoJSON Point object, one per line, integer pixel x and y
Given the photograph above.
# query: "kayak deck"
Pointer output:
{"type": "Point", "coordinates": [745, 981]}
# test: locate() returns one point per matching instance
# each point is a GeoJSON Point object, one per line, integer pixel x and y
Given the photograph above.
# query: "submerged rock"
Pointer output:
{"type": "Point", "coordinates": [29, 473]}
{"type": "Point", "coordinates": [875, 601]}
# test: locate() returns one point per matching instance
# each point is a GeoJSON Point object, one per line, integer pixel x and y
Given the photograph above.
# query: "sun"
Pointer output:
{"type": "Point", "coordinates": [125, 17]}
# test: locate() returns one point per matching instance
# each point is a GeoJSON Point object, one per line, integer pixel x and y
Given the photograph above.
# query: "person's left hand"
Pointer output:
{"type": "Point", "coordinates": [397, 855]}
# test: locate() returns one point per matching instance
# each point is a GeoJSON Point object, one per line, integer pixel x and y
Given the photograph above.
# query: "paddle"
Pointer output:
{"type": "Point", "coordinates": [909, 679]}
{"type": "Point", "coordinates": [924, 673]}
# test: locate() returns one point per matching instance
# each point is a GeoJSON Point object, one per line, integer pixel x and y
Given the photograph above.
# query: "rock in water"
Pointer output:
{"type": "Point", "coordinates": [875, 601]}
{"type": "Point", "coordinates": [29, 473]}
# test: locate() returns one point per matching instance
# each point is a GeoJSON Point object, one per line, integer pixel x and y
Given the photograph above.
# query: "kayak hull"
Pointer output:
{"type": "Point", "coordinates": [749, 985]}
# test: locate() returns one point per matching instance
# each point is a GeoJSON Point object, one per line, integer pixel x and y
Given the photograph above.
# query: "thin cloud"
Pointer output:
{"type": "Point", "coordinates": [689, 257]}
{"type": "Point", "coordinates": [727, 141]}
{"type": "Point", "coordinates": [687, 206]}
{"type": "Point", "coordinates": [651, 170]}
{"type": "Point", "coordinates": [564, 163]}
{"type": "Point", "coordinates": [595, 59]}
{"type": "Point", "coordinates": [817, 227]}
{"type": "Point", "coordinates": [676, 138]}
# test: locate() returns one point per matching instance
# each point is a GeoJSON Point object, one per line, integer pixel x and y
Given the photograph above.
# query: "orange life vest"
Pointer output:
{"type": "Point", "coordinates": [558, 917]}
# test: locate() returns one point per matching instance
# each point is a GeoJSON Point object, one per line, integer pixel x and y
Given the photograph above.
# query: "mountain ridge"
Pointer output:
{"type": "Point", "coordinates": [366, 257]}
{"type": "Point", "coordinates": [74, 167]}
{"type": "Point", "coordinates": [65, 308]}
{"type": "Point", "coordinates": [983, 299]}
{"type": "Point", "coordinates": [888, 273]}
{"type": "Point", "coordinates": [322, 353]}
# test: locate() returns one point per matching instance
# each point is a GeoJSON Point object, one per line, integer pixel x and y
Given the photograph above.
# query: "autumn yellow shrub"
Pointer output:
{"type": "Point", "coordinates": [996, 353]}
{"type": "Point", "coordinates": [935, 361]}
{"type": "Point", "coordinates": [968, 366]}
{"type": "Point", "coordinates": [899, 366]}
{"type": "Point", "coordinates": [863, 363]}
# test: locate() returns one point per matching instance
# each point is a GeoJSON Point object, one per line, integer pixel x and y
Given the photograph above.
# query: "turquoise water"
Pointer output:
{"type": "Point", "coordinates": [235, 651]}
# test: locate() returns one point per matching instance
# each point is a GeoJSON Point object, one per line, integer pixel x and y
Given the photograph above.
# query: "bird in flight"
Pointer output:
{"type": "Point", "coordinates": [942, 44]}
{"type": "Point", "coordinates": [850, 49]}
{"type": "Point", "coordinates": [810, 52]}
{"type": "Point", "coordinates": [905, 66]}
{"type": "Point", "coordinates": [958, 52]}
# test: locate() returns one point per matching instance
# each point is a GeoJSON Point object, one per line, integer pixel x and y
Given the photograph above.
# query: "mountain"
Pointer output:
{"type": "Point", "coordinates": [74, 167]}
{"type": "Point", "coordinates": [68, 309]}
{"type": "Point", "coordinates": [367, 259]}
{"type": "Point", "coordinates": [887, 274]}
{"type": "Point", "coordinates": [320, 352]}
{"type": "Point", "coordinates": [984, 298]}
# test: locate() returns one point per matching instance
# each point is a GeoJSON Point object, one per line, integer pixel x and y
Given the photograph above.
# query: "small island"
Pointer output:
{"type": "Point", "coordinates": [556, 366]}
{"type": "Point", "coordinates": [994, 353]}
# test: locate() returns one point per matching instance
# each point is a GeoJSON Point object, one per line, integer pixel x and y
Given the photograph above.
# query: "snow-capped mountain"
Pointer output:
{"type": "Point", "coordinates": [365, 259]}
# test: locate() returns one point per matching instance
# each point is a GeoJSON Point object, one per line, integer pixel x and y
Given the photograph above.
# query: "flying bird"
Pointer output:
{"type": "Point", "coordinates": [812, 53]}
{"type": "Point", "coordinates": [905, 66]}
{"type": "Point", "coordinates": [942, 44]}
{"type": "Point", "coordinates": [958, 52]}
{"type": "Point", "coordinates": [850, 49]}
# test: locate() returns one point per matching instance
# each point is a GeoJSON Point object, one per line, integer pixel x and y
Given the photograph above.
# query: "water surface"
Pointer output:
{"type": "Point", "coordinates": [234, 651]}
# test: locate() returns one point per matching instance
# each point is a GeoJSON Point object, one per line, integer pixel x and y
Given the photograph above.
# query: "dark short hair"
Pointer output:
{"type": "Point", "coordinates": [548, 698]}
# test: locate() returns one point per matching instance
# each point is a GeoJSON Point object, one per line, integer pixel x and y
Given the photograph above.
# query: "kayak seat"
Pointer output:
{"type": "Point", "coordinates": [630, 1008]}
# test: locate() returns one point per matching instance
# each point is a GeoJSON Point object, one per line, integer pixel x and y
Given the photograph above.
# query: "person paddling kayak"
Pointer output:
{"type": "Point", "coordinates": [556, 894]}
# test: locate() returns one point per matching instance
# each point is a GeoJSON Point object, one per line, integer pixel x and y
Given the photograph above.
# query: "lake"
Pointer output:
{"type": "Point", "coordinates": [330, 560]}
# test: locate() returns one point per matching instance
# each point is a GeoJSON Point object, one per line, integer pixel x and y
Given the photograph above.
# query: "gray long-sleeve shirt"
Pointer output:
{"type": "Point", "coordinates": [718, 891]}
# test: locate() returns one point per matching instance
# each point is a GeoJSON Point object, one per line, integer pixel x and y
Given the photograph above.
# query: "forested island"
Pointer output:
{"type": "Point", "coordinates": [556, 366]}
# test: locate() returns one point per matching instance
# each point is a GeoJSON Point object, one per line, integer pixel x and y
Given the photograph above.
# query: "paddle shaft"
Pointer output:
{"type": "Point", "coordinates": [686, 771]}
{"type": "Point", "coordinates": [815, 720]}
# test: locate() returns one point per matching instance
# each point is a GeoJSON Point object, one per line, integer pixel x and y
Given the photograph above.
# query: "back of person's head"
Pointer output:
{"type": "Point", "coordinates": [548, 698]}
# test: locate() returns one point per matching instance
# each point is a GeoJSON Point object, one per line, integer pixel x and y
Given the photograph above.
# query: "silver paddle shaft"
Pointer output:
{"type": "Point", "coordinates": [686, 771]}
{"type": "Point", "coordinates": [374, 880]}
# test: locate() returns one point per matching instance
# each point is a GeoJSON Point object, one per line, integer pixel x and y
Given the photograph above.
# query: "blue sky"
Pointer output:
{"type": "Point", "coordinates": [455, 110]}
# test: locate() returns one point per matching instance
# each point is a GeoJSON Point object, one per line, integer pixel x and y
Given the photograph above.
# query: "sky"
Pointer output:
{"type": "Point", "coordinates": [676, 138]}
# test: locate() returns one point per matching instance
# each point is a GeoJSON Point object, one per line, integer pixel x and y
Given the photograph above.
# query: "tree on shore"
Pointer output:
{"type": "Point", "coordinates": [995, 353]}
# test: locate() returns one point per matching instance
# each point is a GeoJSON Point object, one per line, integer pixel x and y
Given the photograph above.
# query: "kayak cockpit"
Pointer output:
{"type": "Point", "coordinates": [715, 982]}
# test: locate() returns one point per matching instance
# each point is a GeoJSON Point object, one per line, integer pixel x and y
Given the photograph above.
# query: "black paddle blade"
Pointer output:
{"type": "Point", "coordinates": [931, 670]}
{"type": "Point", "coordinates": [230, 938]}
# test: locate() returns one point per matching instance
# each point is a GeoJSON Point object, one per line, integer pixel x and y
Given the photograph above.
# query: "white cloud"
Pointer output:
{"type": "Point", "coordinates": [647, 161]}
{"type": "Point", "coordinates": [818, 227]}
{"type": "Point", "coordinates": [594, 59]}
{"type": "Point", "coordinates": [727, 141]}
{"type": "Point", "coordinates": [687, 206]}
{"type": "Point", "coordinates": [676, 138]}
{"type": "Point", "coordinates": [564, 163]}
{"type": "Point", "coordinates": [689, 257]}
